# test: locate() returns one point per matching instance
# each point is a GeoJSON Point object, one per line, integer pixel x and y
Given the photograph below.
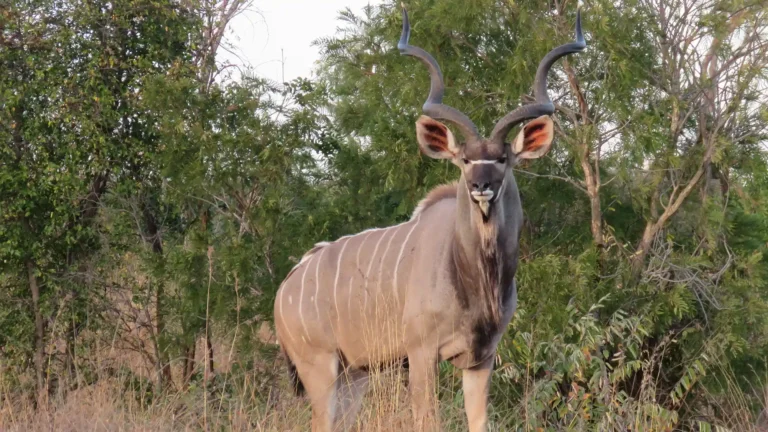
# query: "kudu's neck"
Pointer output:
{"type": "Point", "coordinates": [484, 255]}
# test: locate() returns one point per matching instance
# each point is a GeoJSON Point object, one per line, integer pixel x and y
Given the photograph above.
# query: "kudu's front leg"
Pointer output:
{"type": "Point", "coordinates": [476, 383]}
{"type": "Point", "coordinates": [421, 380]}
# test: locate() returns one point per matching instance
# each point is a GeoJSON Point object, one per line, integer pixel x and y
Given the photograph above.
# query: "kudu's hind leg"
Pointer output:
{"type": "Point", "coordinates": [318, 373]}
{"type": "Point", "coordinates": [351, 388]}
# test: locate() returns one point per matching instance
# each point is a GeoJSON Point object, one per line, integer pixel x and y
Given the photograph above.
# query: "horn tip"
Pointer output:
{"type": "Point", "coordinates": [404, 11]}
{"type": "Point", "coordinates": [406, 33]}
{"type": "Point", "coordinates": [579, 33]}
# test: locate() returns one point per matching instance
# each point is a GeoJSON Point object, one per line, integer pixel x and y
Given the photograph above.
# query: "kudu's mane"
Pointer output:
{"type": "Point", "coordinates": [436, 195]}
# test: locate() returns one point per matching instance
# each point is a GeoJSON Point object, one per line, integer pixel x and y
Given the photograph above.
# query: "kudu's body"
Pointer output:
{"type": "Point", "coordinates": [438, 287]}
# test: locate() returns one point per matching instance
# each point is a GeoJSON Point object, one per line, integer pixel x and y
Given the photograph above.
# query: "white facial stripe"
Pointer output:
{"type": "Point", "coordinates": [483, 161]}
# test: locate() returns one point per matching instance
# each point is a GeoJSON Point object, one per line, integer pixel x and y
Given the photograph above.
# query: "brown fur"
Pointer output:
{"type": "Point", "coordinates": [439, 193]}
{"type": "Point", "coordinates": [492, 277]}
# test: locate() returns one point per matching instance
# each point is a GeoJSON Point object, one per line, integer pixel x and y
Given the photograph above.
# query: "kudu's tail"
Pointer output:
{"type": "Point", "coordinates": [293, 374]}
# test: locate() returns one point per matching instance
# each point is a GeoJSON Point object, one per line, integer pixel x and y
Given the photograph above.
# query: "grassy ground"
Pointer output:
{"type": "Point", "coordinates": [119, 397]}
{"type": "Point", "coordinates": [111, 405]}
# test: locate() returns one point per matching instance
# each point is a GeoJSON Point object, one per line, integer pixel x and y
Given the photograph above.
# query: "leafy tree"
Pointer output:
{"type": "Point", "coordinates": [151, 200]}
{"type": "Point", "coordinates": [73, 127]}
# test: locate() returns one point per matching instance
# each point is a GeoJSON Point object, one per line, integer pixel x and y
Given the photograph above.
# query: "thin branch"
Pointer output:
{"type": "Point", "coordinates": [554, 177]}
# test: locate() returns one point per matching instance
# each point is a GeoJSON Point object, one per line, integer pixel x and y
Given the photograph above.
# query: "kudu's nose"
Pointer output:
{"type": "Point", "coordinates": [480, 187]}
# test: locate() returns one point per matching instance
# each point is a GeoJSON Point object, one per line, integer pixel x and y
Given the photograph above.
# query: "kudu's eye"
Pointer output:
{"type": "Point", "coordinates": [502, 160]}
{"type": "Point", "coordinates": [465, 161]}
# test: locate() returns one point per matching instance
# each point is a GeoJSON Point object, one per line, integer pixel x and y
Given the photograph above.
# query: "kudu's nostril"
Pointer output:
{"type": "Point", "coordinates": [481, 187]}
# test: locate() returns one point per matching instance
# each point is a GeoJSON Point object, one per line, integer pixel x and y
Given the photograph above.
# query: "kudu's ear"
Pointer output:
{"type": "Point", "coordinates": [534, 139]}
{"type": "Point", "coordinates": [435, 139]}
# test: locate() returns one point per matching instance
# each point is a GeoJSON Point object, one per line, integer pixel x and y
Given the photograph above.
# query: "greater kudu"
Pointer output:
{"type": "Point", "coordinates": [438, 287]}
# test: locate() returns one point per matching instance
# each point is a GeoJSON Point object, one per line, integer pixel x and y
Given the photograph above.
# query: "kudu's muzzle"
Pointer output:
{"type": "Point", "coordinates": [485, 183]}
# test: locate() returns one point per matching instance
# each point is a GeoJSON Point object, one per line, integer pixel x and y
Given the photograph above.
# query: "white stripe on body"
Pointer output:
{"type": "Point", "coordinates": [317, 283]}
{"type": "Point", "coordinates": [400, 257]}
{"type": "Point", "coordinates": [357, 269]}
{"type": "Point", "coordinates": [381, 267]}
{"type": "Point", "coordinates": [336, 280]}
{"type": "Point", "coordinates": [367, 273]}
{"type": "Point", "coordinates": [384, 254]}
{"type": "Point", "coordinates": [321, 246]}
{"type": "Point", "coordinates": [373, 258]}
{"type": "Point", "coordinates": [307, 259]}
{"type": "Point", "coordinates": [301, 300]}
{"type": "Point", "coordinates": [282, 316]}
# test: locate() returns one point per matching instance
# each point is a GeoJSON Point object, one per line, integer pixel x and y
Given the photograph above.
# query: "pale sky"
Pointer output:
{"type": "Point", "coordinates": [259, 33]}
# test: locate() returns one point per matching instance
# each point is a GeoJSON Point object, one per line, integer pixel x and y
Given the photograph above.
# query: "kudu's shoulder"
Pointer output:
{"type": "Point", "coordinates": [439, 193]}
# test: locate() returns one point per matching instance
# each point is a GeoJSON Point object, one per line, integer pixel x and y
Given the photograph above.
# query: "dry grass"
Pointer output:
{"type": "Point", "coordinates": [109, 406]}
{"type": "Point", "coordinates": [95, 408]}
{"type": "Point", "coordinates": [251, 393]}
{"type": "Point", "coordinates": [261, 401]}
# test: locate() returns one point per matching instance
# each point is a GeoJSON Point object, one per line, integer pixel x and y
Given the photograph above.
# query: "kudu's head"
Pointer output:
{"type": "Point", "coordinates": [486, 162]}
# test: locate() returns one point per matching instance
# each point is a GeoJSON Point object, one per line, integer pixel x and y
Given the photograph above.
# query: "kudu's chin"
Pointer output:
{"type": "Point", "coordinates": [484, 201]}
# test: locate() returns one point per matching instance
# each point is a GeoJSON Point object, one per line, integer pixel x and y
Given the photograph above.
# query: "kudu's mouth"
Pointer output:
{"type": "Point", "coordinates": [484, 200]}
